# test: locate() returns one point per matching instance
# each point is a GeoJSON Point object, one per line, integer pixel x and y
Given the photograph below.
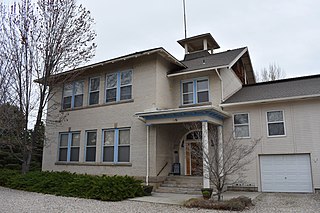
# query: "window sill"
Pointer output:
{"type": "Point", "coordinates": [276, 136]}
{"type": "Point", "coordinates": [195, 105]}
{"type": "Point", "coordinates": [98, 105]}
{"type": "Point", "coordinates": [92, 164]}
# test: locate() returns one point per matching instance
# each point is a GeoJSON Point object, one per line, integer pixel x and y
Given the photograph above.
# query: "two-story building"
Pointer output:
{"type": "Point", "coordinates": [129, 116]}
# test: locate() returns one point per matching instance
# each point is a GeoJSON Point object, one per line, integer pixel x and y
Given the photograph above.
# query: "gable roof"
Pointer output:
{"type": "Point", "coordinates": [161, 51]}
{"type": "Point", "coordinates": [212, 61]}
{"type": "Point", "coordinates": [285, 89]}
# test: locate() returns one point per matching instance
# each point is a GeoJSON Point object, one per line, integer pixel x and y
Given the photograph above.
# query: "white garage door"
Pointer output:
{"type": "Point", "coordinates": [285, 173]}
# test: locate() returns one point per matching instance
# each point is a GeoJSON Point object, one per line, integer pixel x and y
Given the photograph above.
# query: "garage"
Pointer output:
{"type": "Point", "coordinates": [286, 173]}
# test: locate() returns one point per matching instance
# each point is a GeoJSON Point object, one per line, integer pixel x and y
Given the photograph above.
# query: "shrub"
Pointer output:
{"type": "Point", "coordinates": [234, 204]}
{"type": "Point", "coordinates": [107, 188]}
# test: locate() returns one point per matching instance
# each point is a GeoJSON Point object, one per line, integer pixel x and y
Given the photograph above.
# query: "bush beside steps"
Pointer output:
{"type": "Point", "coordinates": [234, 204]}
{"type": "Point", "coordinates": [106, 188]}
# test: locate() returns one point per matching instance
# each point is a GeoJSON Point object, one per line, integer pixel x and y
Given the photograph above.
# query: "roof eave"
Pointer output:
{"type": "Point", "coordinates": [197, 70]}
{"type": "Point", "coordinates": [269, 100]}
{"type": "Point", "coordinates": [161, 51]}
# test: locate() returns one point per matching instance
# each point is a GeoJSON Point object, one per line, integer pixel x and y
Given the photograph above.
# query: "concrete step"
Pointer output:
{"type": "Point", "coordinates": [185, 185]}
{"type": "Point", "coordinates": [178, 190]}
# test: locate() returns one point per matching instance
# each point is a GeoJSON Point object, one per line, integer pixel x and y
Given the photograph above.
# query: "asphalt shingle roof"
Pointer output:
{"type": "Point", "coordinates": [286, 88]}
{"type": "Point", "coordinates": [208, 61]}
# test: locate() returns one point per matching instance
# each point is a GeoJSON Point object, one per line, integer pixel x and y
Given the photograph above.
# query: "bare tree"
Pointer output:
{"type": "Point", "coordinates": [272, 73]}
{"type": "Point", "coordinates": [224, 162]}
{"type": "Point", "coordinates": [39, 41]}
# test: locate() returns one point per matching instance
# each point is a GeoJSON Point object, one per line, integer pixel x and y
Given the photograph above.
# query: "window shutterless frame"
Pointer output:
{"type": "Point", "coordinates": [69, 146]}
{"type": "Point", "coordinates": [87, 146]}
{"type": "Point", "coordinates": [92, 92]}
{"type": "Point", "coordinates": [276, 122]}
{"type": "Point", "coordinates": [115, 145]}
{"type": "Point", "coordinates": [72, 95]}
{"type": "Point", "coordinates": [118, 86]}
{"type": "Point", "coordinates": [237, 125]}
{"type": "Point", "coordinates": [195, 91]}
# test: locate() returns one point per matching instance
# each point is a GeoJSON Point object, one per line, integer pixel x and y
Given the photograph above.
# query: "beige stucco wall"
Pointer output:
{"type": "Point", "coordinates": [231, 83]}
{"type": "Point", "coordinates": [302, 127]}
{"type": "Point", "coordinates": [104, 117]}
{"type": "Point", "coordinates": [214, 86]}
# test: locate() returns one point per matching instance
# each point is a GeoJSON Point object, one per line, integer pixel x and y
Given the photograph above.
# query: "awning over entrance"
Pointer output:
{"type": "Point", "coordinates": [181, 115]}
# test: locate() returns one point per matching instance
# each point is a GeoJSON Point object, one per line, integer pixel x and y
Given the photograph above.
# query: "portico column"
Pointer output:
{"type": "Point", "coordinates": [147, 158]}
{"type": "Point", "coordinates": [205, 153]}
{"type": "Point", "coordinates": [220, 150]}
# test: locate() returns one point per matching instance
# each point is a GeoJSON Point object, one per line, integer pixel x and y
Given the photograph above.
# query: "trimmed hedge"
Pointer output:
{"type": "Point", "coordinates": [235, 204]}
{"type": "Point", "coordinates": [106, 188]}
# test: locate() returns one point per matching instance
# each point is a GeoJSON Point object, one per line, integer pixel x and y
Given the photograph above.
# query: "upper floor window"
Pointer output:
{"type": "Point", "coordinates": [91, 143]}
{"type": "Point", "coordinates": [241, 125]}
{"type": "Point", "coordinates": [116, 145]}
{"type": "Point", "coordinates": [195, 91]}
{"type": "Point", "coordinates": [69, 146]}
{"type": "Point", "coordinates": [119, 86]}
{"type": "Point", "coordinates": [94, 85]}
{"type": "Point", "coordinates": [275, 120]}
{"type": "Point", "coordinates": [73, 95]}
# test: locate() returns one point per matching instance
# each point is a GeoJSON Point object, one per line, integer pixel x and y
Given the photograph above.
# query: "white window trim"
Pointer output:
{"type": "Point", "coordinates": [86, 145]}
{"type": "Point", "coordinates": [115, 145]}
{"type": "Point", "coordinates": [194, 89]}
{"type": "Point", "coordinates": [89, 89]}
{"type": "Point", "coordinates": [73, 95]}
{"type": "Point", "coordinates": [234, 129]}
{"type": "Point", "coordinates": [284, 124]}
{"type": "Point", "coordinates": [69, 147]}
{"type": "Point", "coordinates": [118, 86]}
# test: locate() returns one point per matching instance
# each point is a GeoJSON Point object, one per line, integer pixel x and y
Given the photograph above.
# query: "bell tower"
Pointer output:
{"type": "Point", "coordinates": [204, 42]}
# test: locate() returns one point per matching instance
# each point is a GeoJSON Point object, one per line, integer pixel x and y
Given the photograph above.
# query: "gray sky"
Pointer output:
{"type": "Point", "coordinates": [286, 32]}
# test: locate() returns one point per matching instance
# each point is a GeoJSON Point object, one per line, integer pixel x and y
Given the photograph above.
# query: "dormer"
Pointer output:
{"type": "Point", "coordinates": [199, 43]}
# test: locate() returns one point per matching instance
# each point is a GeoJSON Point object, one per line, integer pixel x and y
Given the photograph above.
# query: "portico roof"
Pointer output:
{"type": "Point", "coordinates": [186, 114]}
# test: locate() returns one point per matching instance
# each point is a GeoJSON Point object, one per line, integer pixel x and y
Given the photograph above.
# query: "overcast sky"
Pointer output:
{"type": "Point", "coordinates": [285, 32]}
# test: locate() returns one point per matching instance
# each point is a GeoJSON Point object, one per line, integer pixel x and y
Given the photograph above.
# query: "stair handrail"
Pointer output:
{"type": "Point", "coordinates": [162, 168]}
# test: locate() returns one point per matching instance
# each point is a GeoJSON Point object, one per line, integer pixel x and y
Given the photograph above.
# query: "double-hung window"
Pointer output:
{"type": "Point", "coordinates": [241, 125]}
{"type": "Point", "coordinates": [69, 146]}
{"type": "Point", "coordinates": [73, 95]}
{"type": "Point", "coordinates": [275, 121]}
{"type": "Point", "coordinates": [94, 90]}
{"type": "Point", "coordinates": [119, 86]}
{"type": "Point", "coordinates": [116, 145]}
{"type": "Point", "coordinates": [91, 143]}
{"type": "Point", "coordinates": [195, 91]}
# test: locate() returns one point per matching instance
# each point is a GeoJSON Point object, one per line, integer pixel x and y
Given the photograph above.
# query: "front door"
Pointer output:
{"type": "Point", "coordinates": [194, 163]}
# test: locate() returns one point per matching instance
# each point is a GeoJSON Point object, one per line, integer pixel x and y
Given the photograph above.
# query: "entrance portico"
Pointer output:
{"type": "Point", "coordinates": [184, 154]}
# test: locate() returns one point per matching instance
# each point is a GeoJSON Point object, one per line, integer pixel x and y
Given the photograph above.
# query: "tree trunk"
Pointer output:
{"type": "Point", "coordinates": [26, 161]}
{"type": "Point", "coordinates": [219, 192]}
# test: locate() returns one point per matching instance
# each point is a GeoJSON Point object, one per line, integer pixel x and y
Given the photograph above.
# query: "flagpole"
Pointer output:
{"type": "Point", "coordinates": [185, 19]}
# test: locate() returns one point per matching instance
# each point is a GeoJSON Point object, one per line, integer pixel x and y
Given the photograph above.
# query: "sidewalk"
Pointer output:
{"type": "Point", "coordinates": [179, 199]}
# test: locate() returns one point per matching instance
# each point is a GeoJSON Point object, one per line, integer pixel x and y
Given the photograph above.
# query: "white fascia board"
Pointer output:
{"type": "Point", "coordinates": [270, 100]}
{"type": "Point", "coordinates": [238, 57]}
{"type": "Point", "coordinates": [195, 71]}
{"type": "Point", "coordinates": [189, 109]}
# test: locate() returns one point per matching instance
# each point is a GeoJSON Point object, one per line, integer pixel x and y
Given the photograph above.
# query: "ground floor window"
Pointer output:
{"type": "Point", "coordinates": [91, 143]}
{"type": "Point", "coordinates": [69, 146]}
{"type": "Point", "coordinates": [116, 145]}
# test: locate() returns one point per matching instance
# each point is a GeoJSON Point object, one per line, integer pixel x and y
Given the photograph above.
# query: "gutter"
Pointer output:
{"type": "Point", "coordinates": [195, 71]}
{"type": "Point", "coordinates": [188, 109]}
{"type": "Point", "coordinates": [270, 100]}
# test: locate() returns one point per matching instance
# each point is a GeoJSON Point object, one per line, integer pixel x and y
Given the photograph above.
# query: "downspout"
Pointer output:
{"type": "Point", "coordinates": [218, 74]}
{"type": "Point", "coordinates": [147, 175]}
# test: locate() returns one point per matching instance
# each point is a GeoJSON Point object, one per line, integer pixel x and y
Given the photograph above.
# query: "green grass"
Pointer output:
{"type": "Point", "coordinates": [106, 188]}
